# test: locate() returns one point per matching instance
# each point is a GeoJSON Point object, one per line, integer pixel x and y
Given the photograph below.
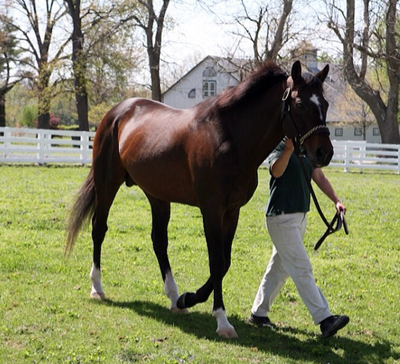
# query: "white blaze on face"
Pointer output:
{"type": "Point", "coordinates": [314, 98]}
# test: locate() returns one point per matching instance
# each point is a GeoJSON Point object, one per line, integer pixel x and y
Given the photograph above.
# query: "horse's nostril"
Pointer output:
{"type": "Point", "coordinates": [323, 155]}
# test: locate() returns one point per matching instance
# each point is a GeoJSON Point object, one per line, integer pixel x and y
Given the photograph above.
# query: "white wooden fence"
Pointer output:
{"type": "Point", "coordinates": [21, 145]}
{"type": "Point", "coordinates": [362, 155]}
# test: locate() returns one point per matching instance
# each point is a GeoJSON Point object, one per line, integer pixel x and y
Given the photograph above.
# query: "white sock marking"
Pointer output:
{"type": "Point", "coordinates": [171, 289]}
{"type": "Point", "coordinates": [224, 328]}
{"type": "Point", "coordinates": [95, 276]}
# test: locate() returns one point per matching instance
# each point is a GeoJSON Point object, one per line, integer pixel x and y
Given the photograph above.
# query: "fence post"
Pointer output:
{"type": "Point", "coordinates": [84, 147]}
{"type": "Point", "coordinates": [40, 146]}
{"type": "Point", "coordinates": [346, 157]}
{"type": "Point", "coordinates": [7, 135]}
{"type": "Point", "coordinates": [362, 155]}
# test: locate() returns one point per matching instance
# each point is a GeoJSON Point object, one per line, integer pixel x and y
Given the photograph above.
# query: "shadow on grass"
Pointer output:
{"type": "Point", "coordinates": [282, 342]}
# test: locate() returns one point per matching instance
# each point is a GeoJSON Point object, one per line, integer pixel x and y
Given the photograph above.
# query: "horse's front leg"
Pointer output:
{"type": "Point", "coordinates": [219, 231]}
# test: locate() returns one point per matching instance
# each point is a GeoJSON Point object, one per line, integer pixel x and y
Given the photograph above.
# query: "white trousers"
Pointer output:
{"type": "Point", "coordinates": [289, 258]}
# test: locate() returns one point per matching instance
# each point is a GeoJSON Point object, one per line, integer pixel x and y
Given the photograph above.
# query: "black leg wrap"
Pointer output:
{"type": "Point", "coordinates": [186, 300]}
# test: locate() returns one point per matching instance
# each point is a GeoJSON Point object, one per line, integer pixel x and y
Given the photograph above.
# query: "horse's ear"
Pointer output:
{"type": "Point", "coordinates": [296, 72]}
{"type": "Point", "coordinates": [322, 74]}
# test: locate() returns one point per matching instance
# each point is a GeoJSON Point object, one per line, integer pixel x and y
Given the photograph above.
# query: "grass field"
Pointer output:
{"type": "Point", "coordinates": [46, 315]}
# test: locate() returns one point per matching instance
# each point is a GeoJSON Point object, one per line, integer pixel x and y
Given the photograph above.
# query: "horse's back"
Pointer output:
{"type": "Point", "coordinates": [152, 141]}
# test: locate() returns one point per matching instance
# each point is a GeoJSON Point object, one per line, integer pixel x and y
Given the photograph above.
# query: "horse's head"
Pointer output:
{"type": "Point", "coordinates": [305, 109]}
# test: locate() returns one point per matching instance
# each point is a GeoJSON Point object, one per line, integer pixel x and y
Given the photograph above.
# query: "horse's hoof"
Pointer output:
{"type": "Point", "coordinates": [228, 333]}
{"type": "Point", "coordinates": [100, 296]}
{"type": "Point", "coordinates": [181, 311]}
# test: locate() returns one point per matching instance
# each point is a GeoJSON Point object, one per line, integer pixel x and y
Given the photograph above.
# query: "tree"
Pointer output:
{"type": "Point", "coordinates": [266, 28]}
{"type": "Point", "coordinates": [79, 63]}
{"type": "Point", "coordinates": [146, 18]}
{"type": "Point", "coordinates": [37, 44]}
{"type": "Point", "coordinates": [377, 43]}
{"type": "Point", "coordinates": [355, 111]}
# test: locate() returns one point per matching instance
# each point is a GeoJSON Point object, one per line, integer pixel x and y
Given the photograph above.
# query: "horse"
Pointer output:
{"type": "Point", "coordinates": [206, 156]}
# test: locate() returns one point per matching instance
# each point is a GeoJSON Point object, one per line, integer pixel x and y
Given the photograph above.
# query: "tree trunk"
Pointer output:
{"type": "Point", "coordinates": [154, 46]}
{"type": "Point", "coordinates": [386, 115]}
{"type": "Point", "coordinates": [79, 65]}
{"type": "Point", "coordinates": [272, 54]}
{"type": "Point", "coordinates": [44, 96]}
{"type": "Point", "coordinates": [44, 120]}
{"type": "Point", "coordinates": [2, 109]}
{"type": "Point", "coordinates": [154, 64]}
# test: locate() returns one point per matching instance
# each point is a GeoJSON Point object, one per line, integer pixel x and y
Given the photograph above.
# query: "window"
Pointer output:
{"type": "Point", "coordinates": [192, 93]}
{"type": "Point", "coordinates": [358, 131]}
{"type": "Point", "coordinates": [209, 72]}
{"type": "Point", "coordinates": [376, 131]}
{"type": "Point", "coordinates": [339, 132]}
{"type": "Point", "coordinates": [209, 88]}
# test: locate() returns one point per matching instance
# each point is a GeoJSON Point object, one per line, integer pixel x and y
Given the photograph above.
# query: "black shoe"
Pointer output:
{"type": "Point", "coordinates": [261, 321]}
{"type": "Point", "coordinates": [331, 325]}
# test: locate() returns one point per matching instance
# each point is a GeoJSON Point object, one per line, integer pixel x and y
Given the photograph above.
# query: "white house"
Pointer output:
{"type": "Point", "coordinates": [213, 74]}
{"type": "Point", "coordinates": [207, 78]}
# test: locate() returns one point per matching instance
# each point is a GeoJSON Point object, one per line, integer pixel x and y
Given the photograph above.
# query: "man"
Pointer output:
{"type": "Point", "coordinates": [286, 220]}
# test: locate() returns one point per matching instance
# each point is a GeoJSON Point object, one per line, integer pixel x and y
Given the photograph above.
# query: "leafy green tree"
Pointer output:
{"type": "Point", "coordinates": [28, 116]}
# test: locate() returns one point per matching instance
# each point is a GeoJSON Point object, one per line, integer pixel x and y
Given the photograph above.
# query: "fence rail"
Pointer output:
{"type": "Point", "coordinates": [362, 155]}
{"type": "Point", "coordinates": [22, 145]}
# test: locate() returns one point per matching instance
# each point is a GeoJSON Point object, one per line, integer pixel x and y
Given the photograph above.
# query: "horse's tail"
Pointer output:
{"type": "Point", "coordinates": [81, 211]}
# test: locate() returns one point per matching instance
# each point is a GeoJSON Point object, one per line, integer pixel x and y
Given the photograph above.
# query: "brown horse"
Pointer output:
{"type": "Point", "coordinates": [206, 156]}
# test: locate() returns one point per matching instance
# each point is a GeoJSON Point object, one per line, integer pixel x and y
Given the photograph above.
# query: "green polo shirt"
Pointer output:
{"type": "Point", "coordinates": [290, 192]}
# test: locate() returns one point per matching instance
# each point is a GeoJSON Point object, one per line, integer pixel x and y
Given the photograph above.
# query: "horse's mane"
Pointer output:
{"type": "Point", "coordinates": [260, 80]}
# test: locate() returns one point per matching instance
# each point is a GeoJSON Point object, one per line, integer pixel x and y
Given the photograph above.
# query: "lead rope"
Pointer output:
{"type": "Point", "coordinates": [338, 218]}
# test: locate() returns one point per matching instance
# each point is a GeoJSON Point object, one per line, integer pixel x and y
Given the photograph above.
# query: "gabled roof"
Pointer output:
{"type": "Point", "coordinates": [235, 67]}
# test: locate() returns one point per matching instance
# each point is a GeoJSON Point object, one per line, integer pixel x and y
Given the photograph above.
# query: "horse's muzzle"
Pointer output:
{"type": "Point", "coordinates": [323, 156]}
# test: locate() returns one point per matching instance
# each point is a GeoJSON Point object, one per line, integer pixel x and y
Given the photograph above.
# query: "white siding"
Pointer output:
{"type": "Point", "coordinates": [372, 134]}
{"type": "Point", "coordinates": [178, 95]}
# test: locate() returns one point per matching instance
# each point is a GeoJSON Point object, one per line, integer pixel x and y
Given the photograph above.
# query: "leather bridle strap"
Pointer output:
{"type": "Point", "coordinates": [287, 115]}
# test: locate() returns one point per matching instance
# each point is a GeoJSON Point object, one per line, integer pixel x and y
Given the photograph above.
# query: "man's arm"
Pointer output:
{"type": "Point", "coordinates": [325, 186]}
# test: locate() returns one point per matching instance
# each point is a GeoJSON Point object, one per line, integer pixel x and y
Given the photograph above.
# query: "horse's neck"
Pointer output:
{"type": "Point", "coordinates": [258, 133]}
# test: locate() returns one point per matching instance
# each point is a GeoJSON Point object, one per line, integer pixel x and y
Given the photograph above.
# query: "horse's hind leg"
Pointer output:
{"type": "Point", "coordinates": [103, 202]}
{"type": "Point", "coordinates": [161, 212]}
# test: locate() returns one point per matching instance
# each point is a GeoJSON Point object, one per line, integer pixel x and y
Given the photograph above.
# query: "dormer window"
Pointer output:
{"type": "Point", "coordinates": [209, 82]}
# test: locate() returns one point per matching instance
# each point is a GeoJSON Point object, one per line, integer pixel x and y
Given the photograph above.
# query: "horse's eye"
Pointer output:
{"type": "Point", "coordinates": [300, 106]}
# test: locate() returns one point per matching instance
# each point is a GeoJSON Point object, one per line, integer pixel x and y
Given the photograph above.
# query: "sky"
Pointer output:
{"type": "Point", "coordinates": [197, 32]}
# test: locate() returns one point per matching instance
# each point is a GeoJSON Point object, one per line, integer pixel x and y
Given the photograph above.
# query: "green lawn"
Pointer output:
{"type": "Point", "coordinates": [46, 315]}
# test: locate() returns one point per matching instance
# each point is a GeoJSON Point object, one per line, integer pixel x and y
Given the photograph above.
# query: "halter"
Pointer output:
{"type": "Point", "coordinates": [298, 142]}
{"type": "Point", "coordinates": [288, 119]}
